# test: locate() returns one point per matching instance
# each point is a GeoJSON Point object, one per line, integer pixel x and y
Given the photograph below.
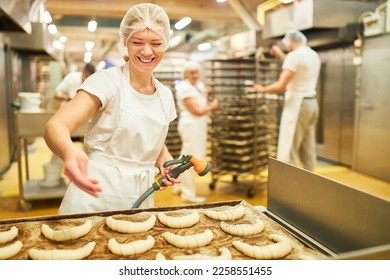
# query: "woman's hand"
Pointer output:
{"type": "Point", "coordinates": [163, 157]}
{"type": "Point", "coordinates": [75, 168]}
{"type": "Point", "coordinates": [164, 171]}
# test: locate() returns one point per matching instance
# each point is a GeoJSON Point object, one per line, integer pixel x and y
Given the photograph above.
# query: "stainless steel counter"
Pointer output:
{"type": "Point", "coordinates": [334, 218]}
{"type": "Point", "coordinates": [29, 125]}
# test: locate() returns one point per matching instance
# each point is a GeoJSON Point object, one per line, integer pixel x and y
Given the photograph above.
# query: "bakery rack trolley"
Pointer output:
{"type": "Point", "coordinates": [239, 132]}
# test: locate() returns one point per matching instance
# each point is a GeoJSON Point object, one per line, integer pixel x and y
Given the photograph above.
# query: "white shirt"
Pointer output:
{"type": "Point", "coordinates": [186, 90]}
{"type": "Point", "coordinates": [106, 85]}
{"type": "Point", "coordinates": [70, 84]}
{"type": "Point", "coordinates": [306, 65]}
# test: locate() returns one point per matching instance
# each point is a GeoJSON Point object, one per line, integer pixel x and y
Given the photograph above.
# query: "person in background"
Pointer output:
{"type": "Point", "coordinates": [301, 68]}
{"type": "Point", "coordinates": [191, 96]}
{"type": "Point", "coordinates": [69, 85]}
{"type": "Point", "coordinates": [129, 112]}
{"type": "Point", "coordinates": [65, 91]}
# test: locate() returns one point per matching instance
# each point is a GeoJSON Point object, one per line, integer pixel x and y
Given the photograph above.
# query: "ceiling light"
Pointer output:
{"type": "Point", "coordinates": [52, 28]}
{"type": "Point", "coordinates": [63, 39]}
{"type": "Point", "coordinates": [87, 59]}
{"type": "Point", "coordinates": [204, 46]}
{"type": "Point", "coordinates": [58, 45]}
{"type": "Point", "coordinates": [286, 1]}
{"type": "Point", "coordinates": [221, 1]}
{"type": "Point", "coordinates": [92, 24]}
{"type": "Point", "coordinates": [183, 23]}
{"type": "Point", "coordinates": [89, 45]}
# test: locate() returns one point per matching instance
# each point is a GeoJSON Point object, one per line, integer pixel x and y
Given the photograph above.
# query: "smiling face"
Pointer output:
{"type": "Point", "coordinates": [146, 49]}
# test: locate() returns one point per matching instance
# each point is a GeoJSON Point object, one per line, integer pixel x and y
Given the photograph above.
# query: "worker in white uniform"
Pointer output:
{"type": "Point", "coordinates": [65, 91]}
{"type": "Point", "coordinates": [69, 85]}
{"type": "Point", "coordinates": [129, 112]}
{"type": "Point", "coordinates": [301, 68]}
{"type": "Point", "coordinates": [192, 100]}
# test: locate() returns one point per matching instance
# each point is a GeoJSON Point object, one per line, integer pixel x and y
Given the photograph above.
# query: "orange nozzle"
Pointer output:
{"type": "Point", "coordinates": [200, 166]}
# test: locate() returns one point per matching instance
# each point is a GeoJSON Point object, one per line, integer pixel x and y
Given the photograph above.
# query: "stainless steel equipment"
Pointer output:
{"type": "Point", "coordinates": [336, 99]}
{"type": "Point", "coordinates": [338, 220]}
{"type": "Point", "coordinates": [314, 14]}
{"type": "Point", "coordinates": [32, 125]}
{"type": "Point", "coordinates": [14, 16]}
{"type": "Point", "coordinates": [5, 154]}
{"type": "Point", "coordinates": [40, 41]}
{"type": "Point", "coordinates": [22, 44]}
{"type": "Point", "coordinates": [372, 133]}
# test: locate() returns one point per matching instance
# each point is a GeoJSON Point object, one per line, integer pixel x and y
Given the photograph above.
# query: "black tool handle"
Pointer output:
{"type": "Point", "coordinates": [174, 173]}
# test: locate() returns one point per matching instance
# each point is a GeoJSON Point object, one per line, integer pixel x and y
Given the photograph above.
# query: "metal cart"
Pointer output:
{"type": "Point", "coordinates": [243, 131]}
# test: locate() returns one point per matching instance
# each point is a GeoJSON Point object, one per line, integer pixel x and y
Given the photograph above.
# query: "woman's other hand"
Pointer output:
{"type": "Point", "coordinates": [75, 168]}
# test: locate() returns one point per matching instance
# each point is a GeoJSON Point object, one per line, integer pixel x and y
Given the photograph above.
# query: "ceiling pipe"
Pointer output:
{"type": "Point", "coordinates": [246, 15]}
{"type": "Point", "coordinates": [186, 38]}
{"type": "Point", "coordinates": [203, 36]}
{"type": "Point", "coordinates": [263, 8]}
{"type": "Point", "coordinates": [37, 10]}
{"type": "Point", "coordinates": [177, 39]}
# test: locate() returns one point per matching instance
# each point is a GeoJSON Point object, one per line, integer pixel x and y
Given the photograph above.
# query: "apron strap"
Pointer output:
{"type": "Point", "coordinates": [120, 162]}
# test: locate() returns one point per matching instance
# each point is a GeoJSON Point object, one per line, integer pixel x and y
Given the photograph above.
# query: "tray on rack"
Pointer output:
{"type": "Point", "coordinates": [243, 142]}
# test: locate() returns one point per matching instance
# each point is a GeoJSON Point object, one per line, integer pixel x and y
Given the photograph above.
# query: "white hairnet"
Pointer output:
{"type": "Point", "coordinates": [190, 66]}
{"type": "Point", "coordinates": [294, 36]}
{"type": "Point", "coordinates": [140, 17]}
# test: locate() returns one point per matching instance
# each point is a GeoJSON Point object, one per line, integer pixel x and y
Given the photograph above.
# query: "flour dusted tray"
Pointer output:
{"type": "Point", "coordinates": [29, 233]}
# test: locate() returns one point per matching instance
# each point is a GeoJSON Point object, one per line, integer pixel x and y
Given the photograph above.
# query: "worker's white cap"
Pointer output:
{"type": "Point", "coordinates": [294, 36]}
{"type": "Point", "coordinates": [190, 66]}
{"type": "Point", "coordinates": [140, 17]}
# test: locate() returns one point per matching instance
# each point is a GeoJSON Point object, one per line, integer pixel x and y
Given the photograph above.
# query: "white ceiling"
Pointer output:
{"type": "Point", "coordinates": [209, 17]}
{"type": "Point", "coordinates": [72, 16]}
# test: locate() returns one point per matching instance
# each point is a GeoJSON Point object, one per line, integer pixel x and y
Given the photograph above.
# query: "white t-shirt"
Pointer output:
{"type": "Point", "coordinates": [306, 65]}
{"type": "Point", "coordinates": [187, 90]}
{"type": "Point", "coordinates": [106, 85]}
{"type": "Point", "coordinates": [70, 84]}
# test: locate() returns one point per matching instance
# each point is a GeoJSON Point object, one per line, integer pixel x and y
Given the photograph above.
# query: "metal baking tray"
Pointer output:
{"type": "Point", "coordinates": [30, 233]}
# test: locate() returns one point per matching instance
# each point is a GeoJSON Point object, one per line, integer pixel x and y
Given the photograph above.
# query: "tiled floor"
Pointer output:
{"type": "Point", "coordinates": [225, 188]}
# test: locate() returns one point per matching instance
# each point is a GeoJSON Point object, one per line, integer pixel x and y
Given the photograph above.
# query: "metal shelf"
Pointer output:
{"type": "Point", "coordinates": [243, 128]}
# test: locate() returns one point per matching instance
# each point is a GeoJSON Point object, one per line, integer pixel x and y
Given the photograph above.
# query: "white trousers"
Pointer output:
{"type": "Point", "coordinates": [193, 134]}
{"type": "Point", "coordinates": [304, 145]}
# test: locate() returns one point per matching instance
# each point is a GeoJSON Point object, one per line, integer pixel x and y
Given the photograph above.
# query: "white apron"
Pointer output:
{"type": "Point", "coordinates": [193, 132]}
{"type": "Point", "coordinates": [288, 123]}
{"type": "Point", "coordinates": [126, 168]}
{"type": "Point", "coordinates": [193, 129]}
